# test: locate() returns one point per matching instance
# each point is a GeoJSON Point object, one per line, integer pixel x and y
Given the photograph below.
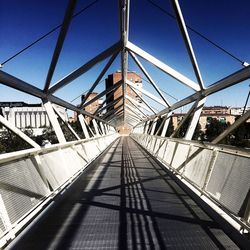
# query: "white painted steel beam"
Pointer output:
{"type": "Point", "coordinates": [117, 116]}
{"type": "Point", "coordinates": [236, 77]}
{"type": "Point", "coordinates": [60, 41]}
{"type": "Point", "coordinates": [148, 94]}
{"type": "Point", "coordinates": [195, 119]}
{"type": "Point", "coordinates": [136, 106]}
{"type": "Point", "coordinates": [110, 104]}
{"type": "Point", "coordinates": [135, 111]}
{"type": "Point", "coordinates": [96, 127]}
{"type": "Point", "coordinates": [135, 102]}
{"type": "Point", "coordinates": [14, 82]}
{"type": "Point", "coordinates": [186, 38]}
{"type": "Point", "coordinates": [124, 6]}
{"type": "Point", "coordinates": [66, 123]}
{"type": "Point", "coordinates": [150, 107]}
{"type": "Point", "coordinates": [235, 125]}
{"type": "Point", "coordinates": [149, 78]}
{"type": "Point", "coordinates": [153, 126]}
{"type": "Point", "coordinates": [132, 113]}
{"type": "Point", "coordinates": [146, 127]}
{"type": "Point", "coordinates": [83, 125]}
{"type": "Point", "coordinates": [102, 104]}
{"type": "Point", "coordinates": [102, 128]}
{"type": "Point", "coordinates": [112, 111]}
{"type": "Point", "coordinates": [55, 124]}
{"type": "Point", "coordinates": [84, 68]}
{"type": "Point", "coordinates": [185, 118]}
{"type": "Point", "coordinates": [162, 66]}
{"type": "Point", "coordinates": [166, 124]}
{"type": "Point", "coordinates": [106, 91]}
{"type": "Point", "coordinates": [111, 60]}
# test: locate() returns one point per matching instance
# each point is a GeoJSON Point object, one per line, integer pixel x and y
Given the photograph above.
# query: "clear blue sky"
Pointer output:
{"type": "Point", "coordinates": [225, 22]}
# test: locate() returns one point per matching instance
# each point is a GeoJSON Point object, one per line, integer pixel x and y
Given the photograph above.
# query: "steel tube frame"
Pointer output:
{"type": "Point", "coordinates": [148, 94]}
{"type": "Point", "coordinates": [137, 61]}
{"type": "Point", "coordinates": [236, 77]}
{"type": "Point", "coordinates": [84, 68]}
{"type": "Point", "coordinates": [136, 103]}
{"type": "Point", "coordinates": [109, 63]}
{"type": "Point", "coordinates": [110, 104]}
{"type": "Point", "coordinates": [187, 41]}
{"type": "Point", "coordinates": [195, 119]}
{"type": "Point", "coordinates": [150, 108]}
{"type": "Point", "coordinates": [235, 125]}
{"type": "Point", "coordinates": [124, 30]}
{"type": "Point", "coordinates": [55, 124]}
{"type": "Point", "coordinates": [112, 88]}
{"type": "Point", "coordinates": [163, 67]}
{"type": "Point", "coordinates": [18, 132]}
{"type": "Point", "coordinates": [14, 82]}
{"type": "Point", "coordinates": [134, 111]}
{"type": "Point", "coordinates": [66, 123]}
{"type": "Point", "coordinates": [145, 115]}
{"type": "Point", "coordinates": [60, 41]}
{"type": "Point", "coordinates": [83, 125]}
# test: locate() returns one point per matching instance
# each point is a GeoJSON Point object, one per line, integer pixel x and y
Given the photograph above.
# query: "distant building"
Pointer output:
{"type": "Point", "coordinates": [116, 77]}
{"type": "Point", "coordinates": [112, 80]}
{"type": "Point", "coordinates": [24, 115]}
{"type": "Point", "coordinates": [238, 110]}
{"type": "Point", "coordinates": [91, 108]}
{"type": "Point", "coordinates": [222, 113]}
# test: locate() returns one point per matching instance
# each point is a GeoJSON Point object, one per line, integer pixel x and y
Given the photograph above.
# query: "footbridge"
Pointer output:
{"type": "Point", "coordinates": [124, 177]}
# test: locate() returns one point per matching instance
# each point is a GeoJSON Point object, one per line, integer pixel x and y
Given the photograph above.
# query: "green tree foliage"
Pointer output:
{"type": "Point", "coordinates": [198, 133]}
{"type": "Point", "coordinates": [214, 128]}
{"type": "Point", "coordinates": [48, 134]}
{"type": "Point", "coordinates": [240, 136]}
{"type": "Point", "coordinates": [10, 142]}
{"type": "Point", "coordinates": [183, 129]}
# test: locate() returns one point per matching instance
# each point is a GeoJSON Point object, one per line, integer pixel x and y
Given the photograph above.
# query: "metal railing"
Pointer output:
{"type": "Point", "coordinates": [219, 172]}
{"type": "Point", "coordinates": [30, 178]}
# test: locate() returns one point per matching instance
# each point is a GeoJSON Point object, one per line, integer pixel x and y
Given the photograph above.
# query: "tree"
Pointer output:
{"type": "Point", "coordinates": [198, 133]}
{"type": "Point", "coordinates": [241, 135]}
{"type": "Point", "coordinates": [10, 142]}
{"type": "Point", "coordinates": [214, 128]}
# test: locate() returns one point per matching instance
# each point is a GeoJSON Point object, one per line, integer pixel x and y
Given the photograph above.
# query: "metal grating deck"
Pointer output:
{"type": "Point", "coordinates": [126, 201]}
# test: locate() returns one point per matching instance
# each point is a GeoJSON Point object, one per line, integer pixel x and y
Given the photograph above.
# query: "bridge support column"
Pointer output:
{"type": "Point", "coordinates": [66, 123]}
{"type": "Point", "coordinates": [102, 128]}
{"type": "Point", "coordinates": [153, 126]}
{"type": "Point", "coordinates": [96, 127]}
{"type": "Point", "coordinates": [192, 125]}
{"type": "Point", "coordinates": [55, 124]}
{"type": "Point", "coordinates": [83, 125]}
{"type": "Point", "coordinates": [146, 127]}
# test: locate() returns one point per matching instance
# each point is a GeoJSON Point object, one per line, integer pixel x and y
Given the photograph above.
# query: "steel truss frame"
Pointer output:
{"type": "Point", "coordinates": [125, 48]}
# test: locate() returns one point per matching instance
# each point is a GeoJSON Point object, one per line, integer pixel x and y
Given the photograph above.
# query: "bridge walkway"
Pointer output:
{"type": "Point", "coordinates": [126, 200]}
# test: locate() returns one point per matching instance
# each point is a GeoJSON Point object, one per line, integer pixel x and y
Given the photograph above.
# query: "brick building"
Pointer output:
{"type": "Point", "coordinates": [91, 108]}
{"type": "Point", "coordinates": [222, 113]}
{"type": "Point", "coordinates": [112, 80]}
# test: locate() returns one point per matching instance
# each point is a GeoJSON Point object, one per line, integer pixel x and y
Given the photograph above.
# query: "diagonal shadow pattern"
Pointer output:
{"type": "Point", "coordinates": [126, 200]}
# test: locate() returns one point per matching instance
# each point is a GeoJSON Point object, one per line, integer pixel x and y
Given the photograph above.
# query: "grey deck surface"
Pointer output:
{"type": "Point", "coordinates": [126, 201]}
